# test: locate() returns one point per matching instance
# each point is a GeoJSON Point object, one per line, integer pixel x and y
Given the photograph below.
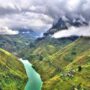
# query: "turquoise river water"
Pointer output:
{"type": "Point", "coordinates": [34, 80]}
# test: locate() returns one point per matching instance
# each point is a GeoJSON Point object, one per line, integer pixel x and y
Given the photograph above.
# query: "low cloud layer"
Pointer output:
{"type": "Point", "coordinates": [40, 14]}
{"type": "Point", "coordinates": [6, 31]}
{"type": "Point", "coordinates": [73, 31]}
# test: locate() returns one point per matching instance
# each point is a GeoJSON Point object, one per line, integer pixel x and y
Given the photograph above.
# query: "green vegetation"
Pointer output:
{"type": "Point", "coordinates": [15, 44]}
{"type": "Point", "coordinates": [12, 72]}
{"type": "Point", "coordinates": [63, 64]}
{"type": "Point", "coordinates": [66, 69]}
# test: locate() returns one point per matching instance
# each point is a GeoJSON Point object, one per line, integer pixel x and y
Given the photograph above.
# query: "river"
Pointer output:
{"type": "Point", "coordinates": [34, 80]}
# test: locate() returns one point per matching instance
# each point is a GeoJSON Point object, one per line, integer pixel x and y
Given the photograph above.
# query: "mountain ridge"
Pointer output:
{"type": "Point", "coordinates": [62, 65]}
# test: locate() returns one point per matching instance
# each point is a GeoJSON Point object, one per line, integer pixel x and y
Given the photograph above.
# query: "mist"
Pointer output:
{"type": "Point", "coordinates": [73, 31]}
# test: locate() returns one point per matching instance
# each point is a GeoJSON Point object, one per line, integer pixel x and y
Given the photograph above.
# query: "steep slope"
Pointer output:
{"type": "Point", "coordinates": [50, 45]}
{"type": "Point", "coordinates": [70, 52]}
{"type": "Point", "coordinates": [74, 60]}
{"type": "Point", "coordinates": [75, 76]}
{"type": "Point", "coordinates": [68, 68]}
{"type": "Point", "coordinates": [44, 48]}
{"type": "Point", "coordinates": [12, 72]}
{"type": "Point", "coordinates": [22, 44]}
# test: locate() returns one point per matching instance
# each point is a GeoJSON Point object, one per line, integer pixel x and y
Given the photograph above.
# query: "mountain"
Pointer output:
{"type": "Point", "coordinates": [28, 33]}
{"type": "Point", "coordinates": [23, 44]}
{"type": "Point", "coordinates": [75, 61]}
{"type": "Point", "coordinates": [18, 41]}
{"type": "Point", "coordinates": [15, 43]}
{"type": "Point", "coordinates": [64, 64]}
{"type": "Point", "coordinates": [65, 23]}
{"type": "Point", "coordinates": [45, 46]}
{"type": "Point", "coordinates": [68, 68]}
{"type": "Point", "coordinates": [12, 72]}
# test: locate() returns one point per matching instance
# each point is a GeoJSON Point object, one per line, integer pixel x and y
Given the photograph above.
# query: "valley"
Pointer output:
{"type": "Point", "coordinates": [62, 63]}
{"type": "Point", "coordinates": [44, 44]}
{"type": "Point", "coordinates": [58, 62]}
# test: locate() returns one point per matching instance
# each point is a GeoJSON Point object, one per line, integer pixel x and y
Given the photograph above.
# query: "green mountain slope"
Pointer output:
{"type": "Point", "coordinates": [42, 51]}
{"type": "Point", "coordinates": [70, 52]}
{"type": "Point", "coordinates": [12, 72]}
{"type": "Point", "coordinates": [15, 43]}
{"type": "Point", "coordinates": [74, 61]}
{"type": "Point", "coordinates": [68, 68]}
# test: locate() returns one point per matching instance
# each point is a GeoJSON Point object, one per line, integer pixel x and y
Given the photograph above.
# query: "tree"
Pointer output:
{"type": "Point", "coordinates": [79, 68]}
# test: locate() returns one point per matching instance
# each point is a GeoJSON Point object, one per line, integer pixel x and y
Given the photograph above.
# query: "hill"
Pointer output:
{"type": "Point", "coordinates": [41, 47]}
{"type": "Point", "coordinates": [42, 52]}
{"type": "Point", "coordinates": [68, 68]}
{"type": "Point", "coordinates": [12, 72]}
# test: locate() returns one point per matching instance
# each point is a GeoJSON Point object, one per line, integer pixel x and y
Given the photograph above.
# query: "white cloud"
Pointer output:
{"type": "Point", "coordinates": [29, 20]}
{"type": "Point", "coordinates": [73, 31]}
{"type": "Point", "coordinates": [72, 4]}
{"type": "Point", "coordinates": [40, 14]}
{"type": "Point", "coordinates": [6, 31]}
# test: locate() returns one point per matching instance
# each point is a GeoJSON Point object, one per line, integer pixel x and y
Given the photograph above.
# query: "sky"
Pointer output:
{"type": "Point", "coordinates": [39, 15]}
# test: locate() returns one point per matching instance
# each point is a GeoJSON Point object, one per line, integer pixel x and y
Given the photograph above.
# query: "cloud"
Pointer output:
{"type": "Point", "coordinates": [58, 8]}
{"type": "Point", "coordinates": [73, 31]}
{"type": "Point", "coordinates": [54, 9]}
{"type": "Point", "coordinates": [6, 31]}
{"type": "Point", "coordinates": [27, 20]}
{"type": "Point", "coordinates": [39, 15]}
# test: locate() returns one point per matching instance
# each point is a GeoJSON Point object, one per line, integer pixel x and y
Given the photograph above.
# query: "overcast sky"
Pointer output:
{"type": "Point", "coordinates": [38, 14]}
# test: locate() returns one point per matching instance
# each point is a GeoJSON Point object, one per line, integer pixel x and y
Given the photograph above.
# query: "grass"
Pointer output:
{"type": "Point", "coordinates": [12, 72]}
{"type": "Point", "coordinates": [60, 70]}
